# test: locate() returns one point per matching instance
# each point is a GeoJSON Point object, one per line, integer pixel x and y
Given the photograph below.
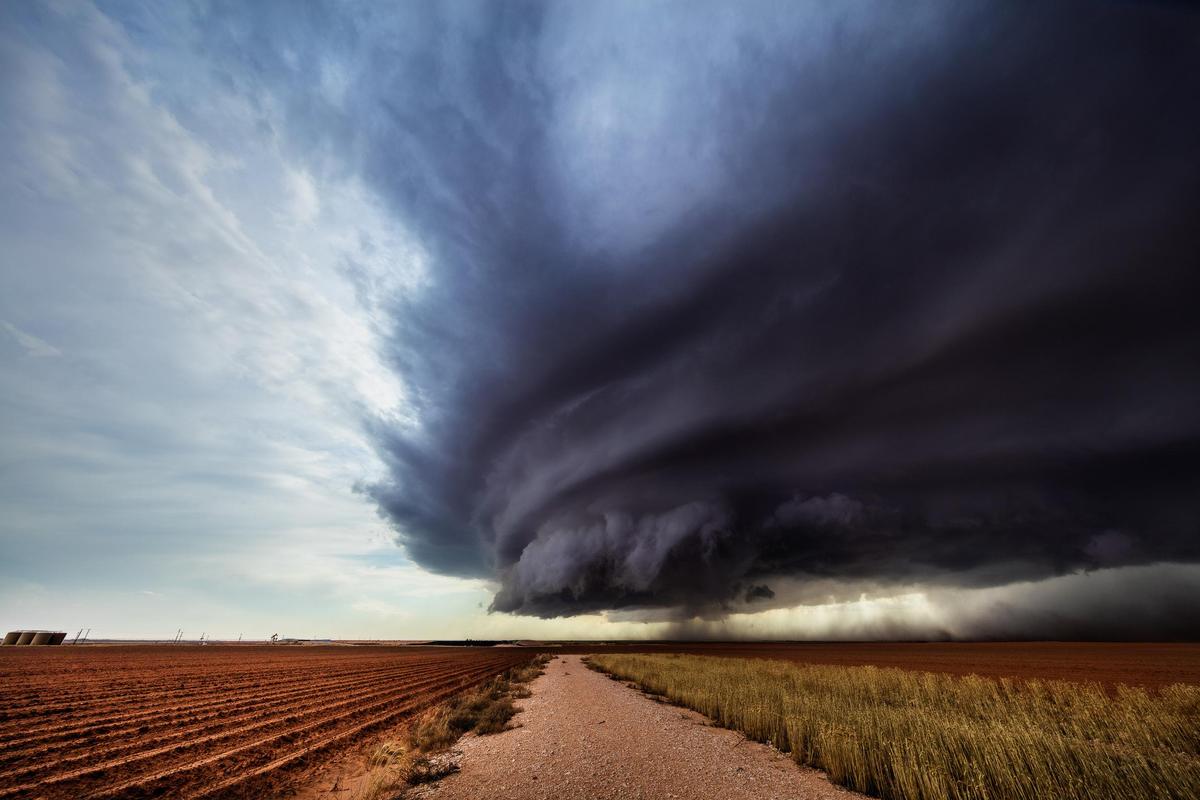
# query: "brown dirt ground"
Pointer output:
{"type": "Point", "coordinates": [583, 735]}
{"type": "Point", "coordinates": [226, 722]}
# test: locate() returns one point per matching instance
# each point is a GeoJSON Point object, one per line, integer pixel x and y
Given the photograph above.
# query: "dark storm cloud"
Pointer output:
{"type": "Point", "coordinates": [758, 593]}
{"type": "Point", "coordinates": [864, 292]}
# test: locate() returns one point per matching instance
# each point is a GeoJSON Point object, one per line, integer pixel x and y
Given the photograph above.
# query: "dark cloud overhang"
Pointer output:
{"type": "Point", "coordinates": [948, 274]}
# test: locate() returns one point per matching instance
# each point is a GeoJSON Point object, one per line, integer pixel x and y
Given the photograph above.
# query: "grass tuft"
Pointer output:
{"type": "Point", "coordinates": [484, 709]}
{"type": "Point", "coordinates": [899, 734]}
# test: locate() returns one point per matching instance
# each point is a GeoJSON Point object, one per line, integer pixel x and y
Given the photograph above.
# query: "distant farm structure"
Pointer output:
{"type": "Point", "coordinates": [18, 638]}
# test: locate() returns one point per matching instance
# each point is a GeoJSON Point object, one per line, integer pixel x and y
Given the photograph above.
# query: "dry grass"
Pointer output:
{"type": "Point", "coordinates": [393, 767]}
{"type": "Point", "coordinates": [389, 769]}
{"type": "Point", "coordinates": [484, 709]}
{"type": "Point", "coordinates": [899, 734]}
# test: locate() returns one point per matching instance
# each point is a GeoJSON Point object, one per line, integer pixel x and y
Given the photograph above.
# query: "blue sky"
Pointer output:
{"type": "Point", "coordinates": [185, 355]}
{"type": "Point", "coordinates": [314, 319]}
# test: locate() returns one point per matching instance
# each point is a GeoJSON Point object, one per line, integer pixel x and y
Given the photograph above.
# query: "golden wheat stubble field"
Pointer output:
{"type": "Point", "coordinates": [192, 722]}
{"type": "Point", "coordinates": [1149, 664]}
{"type": "Point", "coordinates": [914, 735]}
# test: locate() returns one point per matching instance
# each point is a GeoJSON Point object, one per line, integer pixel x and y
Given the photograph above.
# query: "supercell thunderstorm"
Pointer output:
{"type": "Point", "coordinates": [726, 305]}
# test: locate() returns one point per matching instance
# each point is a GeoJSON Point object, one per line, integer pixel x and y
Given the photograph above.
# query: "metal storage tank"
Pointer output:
{"type": "Point", "coordinates": [57, 638]}
{"type": "Point", "coordinates": [25, 638]}
{"type": "Point", "coordinates": [41, 637]}
{"type": "Point", "coordinates": [11, 637]}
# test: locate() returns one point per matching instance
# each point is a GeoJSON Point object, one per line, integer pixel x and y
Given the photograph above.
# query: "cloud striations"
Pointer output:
{"type": "Point", "coordinates": [726, 301]}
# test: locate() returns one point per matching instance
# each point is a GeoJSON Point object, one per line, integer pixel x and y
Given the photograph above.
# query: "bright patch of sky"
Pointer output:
{"type": "Point", "coordinates": [189, 328]}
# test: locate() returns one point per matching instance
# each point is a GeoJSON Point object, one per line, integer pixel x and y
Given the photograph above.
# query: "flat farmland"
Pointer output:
{"type": "Point", "coordinates": [190, 722]}
{"type": "Point", "coordinates": [1145, 664]}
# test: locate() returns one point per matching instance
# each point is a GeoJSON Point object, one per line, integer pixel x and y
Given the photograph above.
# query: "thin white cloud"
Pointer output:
{"type": "Point", "coordinates": [34, 347]}
{"type": "Point", "coordinates": [220, 301]}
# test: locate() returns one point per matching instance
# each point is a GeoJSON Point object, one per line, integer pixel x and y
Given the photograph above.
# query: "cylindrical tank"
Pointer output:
{"type": "Point", "coordinates": [26, 637]}
{"type": "Point", "coordinates": [11, 637]}
{"type": "Point", "coordinates": [41, 637]}
{"type": "Point", "coordinates": [57, 637]}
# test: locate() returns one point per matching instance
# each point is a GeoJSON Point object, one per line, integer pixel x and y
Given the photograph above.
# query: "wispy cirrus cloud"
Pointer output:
{"type": "Point", "coordinates": [213, 308]}
{"type": "Point", "coordinates": [33, 346]}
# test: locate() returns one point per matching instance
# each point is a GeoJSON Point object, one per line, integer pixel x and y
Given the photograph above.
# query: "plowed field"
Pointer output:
{"type": "Point", "coordinates": [190, 722]}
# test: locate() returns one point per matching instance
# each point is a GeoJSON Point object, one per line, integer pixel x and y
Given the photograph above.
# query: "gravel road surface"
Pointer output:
{"type": "Point", "coordinates": [583, 735]}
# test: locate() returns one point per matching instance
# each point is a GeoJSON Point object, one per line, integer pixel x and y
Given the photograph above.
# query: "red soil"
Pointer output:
{"type": "Point", "coordinates": [190, 722]}
{"type": "Point", "coordinates": [1136, 664]}
{"type": "Point", "coordinates": [247, 721]}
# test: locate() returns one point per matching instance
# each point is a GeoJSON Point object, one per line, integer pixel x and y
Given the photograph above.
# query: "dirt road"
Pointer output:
{"type": "Point", "coordinates": [585, 735]}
